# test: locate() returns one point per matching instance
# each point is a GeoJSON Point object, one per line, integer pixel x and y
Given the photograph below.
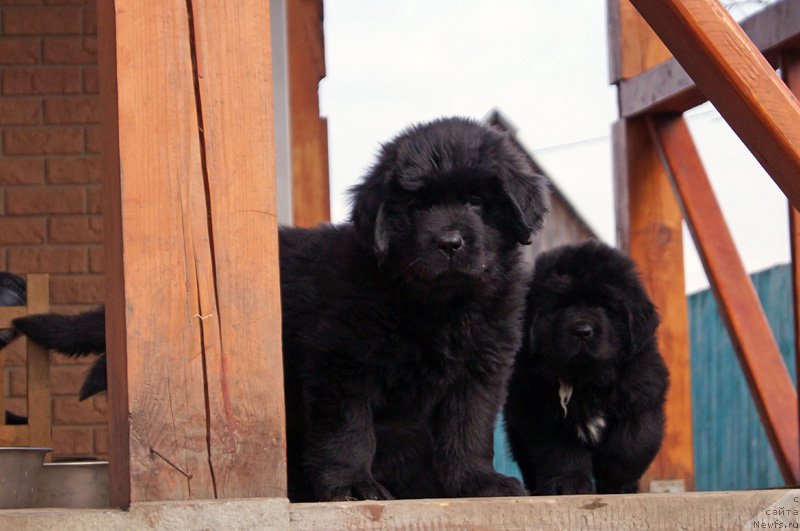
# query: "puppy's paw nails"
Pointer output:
{"type": "Point", "coordinates": [360, 490]}
{"type": "Point", "coordinates": [573, 483]}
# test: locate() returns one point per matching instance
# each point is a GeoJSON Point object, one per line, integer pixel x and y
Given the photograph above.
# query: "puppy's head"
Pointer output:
{"type": "Point", "coordinates": [588, 311]}
{"type": "Point", "coordinates": [447, 202]}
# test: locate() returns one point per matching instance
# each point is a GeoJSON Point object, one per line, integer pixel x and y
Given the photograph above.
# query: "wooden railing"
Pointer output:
{"type": "Point", "coordinates": [715, 58]}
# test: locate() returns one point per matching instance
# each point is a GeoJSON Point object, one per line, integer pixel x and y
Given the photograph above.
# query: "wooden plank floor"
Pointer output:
{"type": "Point", "coordinates": [710, 510]}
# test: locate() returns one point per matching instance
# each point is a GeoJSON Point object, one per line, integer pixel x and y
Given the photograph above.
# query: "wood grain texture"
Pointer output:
{"type": "Point", "coordinates": [633, 46]}
{"type": "Point", "coordinates": [193, 314]}
{"type": "Point", "coordinates": [9, 313]}
{"type": "Point", "coordinates": [40, 409]}
{"type": "Point", "coordinates": [737, 79]}
{"type": "Point", "coordinates": [790, 71]}
{"type": "Point", "coordinates": [310, 188]}
{"type": "Point", "coordinates": [768, 379]}
{"type": "Point", "coordinates": [668, 88]}
{"type": "Point", "coordinates": [649, 228]}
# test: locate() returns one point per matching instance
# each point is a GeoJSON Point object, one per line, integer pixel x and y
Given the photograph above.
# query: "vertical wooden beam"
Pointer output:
{"type": "Point", "coordinates": [633, 46]}
{"type": "Point", "coordinates": [649, 225]}
{"type": "Point", "coordinates": [38, 367]}
{"type": "Point", "coordinates": [193, 316]}
{"type": "Point", "coordinates": [310, 189]}
{"type": "Point", "coordinates": [790, 71]}
{"type": "Point", "coordinates": [738, 80]}
{"type": "Point", "coordinates": [769, 382]}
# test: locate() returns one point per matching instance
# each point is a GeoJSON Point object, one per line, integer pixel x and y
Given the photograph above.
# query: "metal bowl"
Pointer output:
{"type": "Point", "coordinates": [80, 485]}
{"type": "Point", "coordinates": [19, 473]}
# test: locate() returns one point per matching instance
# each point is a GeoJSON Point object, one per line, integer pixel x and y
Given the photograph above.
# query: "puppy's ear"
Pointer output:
{"type": "Point", "coordinates": [642, 320]}
{"type": "Point", "coordinates": [367, 199]}
{"type": "Point", "coordinates": [381, 234]}
{"type": "Point", "coordinates": [528, 195]}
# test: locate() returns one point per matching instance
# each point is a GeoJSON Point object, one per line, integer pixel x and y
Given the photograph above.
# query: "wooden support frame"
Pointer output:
{"type": "Point", "coordinates": [767, 377]}
{"type": "Point", "coordinates": [738, 80]}
{"type": "Point", "coordinates": [667, 87]}
{"type": "Point", "coordinates": [38, 431]}
{"type": "Point", "coordinates": [193, 311]}
{"type": "Point", "coordinates": [309, 131]}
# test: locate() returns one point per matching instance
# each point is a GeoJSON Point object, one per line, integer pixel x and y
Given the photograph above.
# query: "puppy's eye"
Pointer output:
{"type": "Point", "coordinates": [475, 201]}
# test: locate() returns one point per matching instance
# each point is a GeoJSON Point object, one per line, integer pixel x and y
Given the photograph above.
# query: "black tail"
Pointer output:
{"type": "Point", "coordinates": [12, 293]}
{"type": "Point", "coordinates": [73, 335]}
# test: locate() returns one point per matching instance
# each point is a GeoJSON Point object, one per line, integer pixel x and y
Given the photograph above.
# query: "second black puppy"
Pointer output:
{"type": "Point", "coordinates": [587, 394]}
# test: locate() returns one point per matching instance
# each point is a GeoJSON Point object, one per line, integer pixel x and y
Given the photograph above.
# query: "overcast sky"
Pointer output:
{"type": "Point", "coordinates": [543, 64]}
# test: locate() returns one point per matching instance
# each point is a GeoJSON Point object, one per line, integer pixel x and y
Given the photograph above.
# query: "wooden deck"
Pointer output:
{"type": "Point", "coordinates": [711, 510]}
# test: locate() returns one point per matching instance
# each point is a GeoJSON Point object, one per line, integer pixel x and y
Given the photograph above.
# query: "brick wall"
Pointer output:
{"type": "Point", "coordinates": [50, 188]}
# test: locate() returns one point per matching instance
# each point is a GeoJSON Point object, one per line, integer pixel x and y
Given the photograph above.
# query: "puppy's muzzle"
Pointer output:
{"type": "Point", "coordinates": [450, 242]}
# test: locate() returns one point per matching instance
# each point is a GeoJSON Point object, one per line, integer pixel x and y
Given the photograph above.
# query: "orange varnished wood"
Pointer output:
{"type": "Point", "coordinates": [766, 374]}
{"type": "Point", "coordinates": [738, 80]}
{"type": "Point", "coordinates": [193, 313]}
{"type": "Point", "coordinates": [310, 188]}
{"type": "Point", "coordinates": [649, 228]}
{"type": "Point", "coordinates": [633, 46]}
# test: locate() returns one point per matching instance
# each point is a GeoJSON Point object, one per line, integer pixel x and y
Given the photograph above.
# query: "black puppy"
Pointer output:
{"type": "Point", "coordinates": [587, 394]}
{"type": "Point", "coordinates": [400, 328]}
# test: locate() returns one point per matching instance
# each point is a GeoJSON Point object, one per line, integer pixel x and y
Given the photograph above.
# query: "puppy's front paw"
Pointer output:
{"type": "Point", "coordinates": [493, 485]}
{"type": "Point", "coordinates": [360, 490]}
{"type": "Point", "coordinates": [569, 483]}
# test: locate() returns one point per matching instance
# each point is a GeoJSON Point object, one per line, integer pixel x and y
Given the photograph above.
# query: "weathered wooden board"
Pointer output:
{"type": "Point", "coordinates": [40, 409]}
{"type": "Point", "coordinates": [310, 188]}
{"type": "Point", "coordinates": [649, 228]}
{"type": "Point", "coordinates": [193, 319]}
{"type": "Point", "coordinates": [770, 385]}
{"type": "Point", "coordinates": [737, 79]}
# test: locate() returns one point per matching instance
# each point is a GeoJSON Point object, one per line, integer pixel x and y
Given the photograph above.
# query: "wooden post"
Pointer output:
{"type": "Point", "coordinates": [790, 70]}
{"type": "Point", "coordinates": [649, 225]}
{"type": "Point", "coordinates": [193, 313]}
{"type": "Point", "coordinates": [649, 228]}
{"type": "Point", "coordinates": [310, 189]}
{"type": "Point", "coordinates": [40, 408]}
{"type": "Point", "coordinates": [762, 364]}
{"type": "Point", "coordinates": [738, 80]}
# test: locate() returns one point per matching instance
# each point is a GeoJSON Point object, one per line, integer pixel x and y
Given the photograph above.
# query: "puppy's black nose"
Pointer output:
{"type": "Point", "coordinates": [449, 242]}
{"type": "Point", "coordinates": [583, 331]}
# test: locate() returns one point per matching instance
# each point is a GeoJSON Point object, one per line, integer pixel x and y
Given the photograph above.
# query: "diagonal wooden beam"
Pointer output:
{"type": "Point", "coordinates": [769, 382]}
{"type": "Point", "coordinates": [667, 87]}
{"type": "Point", "coordinates": [738, 80]}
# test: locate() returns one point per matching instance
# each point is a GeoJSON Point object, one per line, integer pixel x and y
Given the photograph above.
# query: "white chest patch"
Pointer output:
{"type": "Point", "coordinates": [592, 432]}
{"type": "Point", "coordinates": [564, 394]}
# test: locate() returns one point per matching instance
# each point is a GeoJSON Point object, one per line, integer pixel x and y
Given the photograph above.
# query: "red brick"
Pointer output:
{"type": "Point", "coordinates": [21, 171]}
{"type": "Point", "coordinates": [45, 200]}
{"type": "Point", "coordinates": [73, 170]}
{"type": "Point", "coordinates": [21, 230]}
{"type": "Point", "coordinates": [20, 111]}
{"type": "Point", "coordinates": [67, 380]}
{"type": "Point", "coordinates": [90, 21]}
{"type": "Point", "coordinates": [94, 200]}
{"type": "Point", "coordinates": [93, 143]}
{"type": "Point", "coordinates": [26, 51]}
{"type": "Point", "coordinates": [71, 110]}
{"type": "Point", "coordinates": [97, 258]}
{"type": "Point", "coordinates": [90, 81]}
{"type": "Point", "coordinates": [67, 410]}
{"type": "Point", "coordinates": [43, 141]}
{"type": "Point", "coordinates": [15, 354]}
{"type": "Point", "coordinates": [72, 441]}
{"type": "Point", "coordinates": [76, 289]}
{"type": "Point", "coordinates": [19, 2]}
{"type": "Point", "coordinates": [70, 50]}
{"type": "Point", "coordinates": [49, 80]}
{"type": "Point", "coordinates": [48, 259]}
{"type": "Point", "coordinates": [42, 20]}
{"type": "Point", "coordinates": [101, 440]}
{"type": "Point", "coordinates": [74, 229]}
{"type": "Point", "coordinates": [17, 382]}
{"type": "Point", "coordinates": [51, 2]}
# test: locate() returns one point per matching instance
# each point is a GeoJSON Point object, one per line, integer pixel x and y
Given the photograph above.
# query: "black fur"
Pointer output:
{"type": "Point", "coordinates": [396, 350]}
{"type": "Point", "coordinates": [591, 326]}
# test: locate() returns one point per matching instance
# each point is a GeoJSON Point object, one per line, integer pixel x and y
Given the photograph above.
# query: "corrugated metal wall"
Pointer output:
{"type": "Point", "coordinates": [731, 448]}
